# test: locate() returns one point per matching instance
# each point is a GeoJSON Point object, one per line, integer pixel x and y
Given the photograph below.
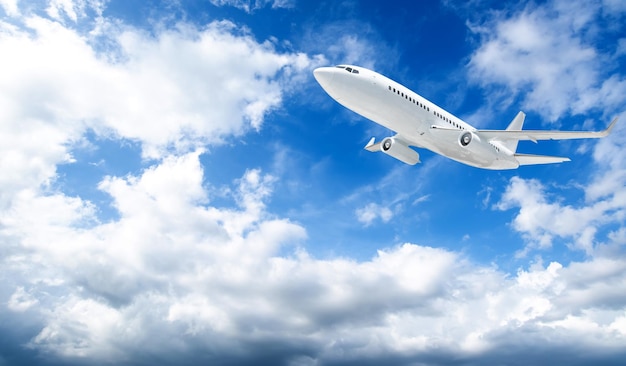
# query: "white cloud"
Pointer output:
{"type": "Point", "coordinates": [235, 280]}
{"type": "Point", "coordinates": [541, 220]}
{"type": "Point", "coordinates": [74, 331]}
{"type": "Point", "coordinates": [373, 211]}
{"type": "Point", "coordinates": [395, 190]}
{"type": "Point", "coordinates": [184, 85]}
{"type": "Point", "coordinates": [69, 7]}
{"type": "Point", "coordinates": [249, 6]}
{"type": "Point", "coordinates": [543, 215]}
{"type": "Point", "coordinates": [610, 157]}
{"type": "Point", "coordinates": [544, 53]}
{"type": "Point", "coordinates": [21, 300]}
{"type": "Point", "coordinates": [10, 7]}
{"type": "Point", "coordinates": [174, 91]}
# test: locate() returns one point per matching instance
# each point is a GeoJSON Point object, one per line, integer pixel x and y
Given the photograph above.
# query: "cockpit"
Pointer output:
{"type": "Point", "coordinates": [348, 69]}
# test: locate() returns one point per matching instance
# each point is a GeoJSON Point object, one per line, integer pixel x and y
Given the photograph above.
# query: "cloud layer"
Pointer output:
{"type": "Point", "coordinates": [177, 277]}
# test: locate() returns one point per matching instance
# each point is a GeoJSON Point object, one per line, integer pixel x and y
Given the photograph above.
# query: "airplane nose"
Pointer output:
{"type": "Point", "coordinates": [324, 76]}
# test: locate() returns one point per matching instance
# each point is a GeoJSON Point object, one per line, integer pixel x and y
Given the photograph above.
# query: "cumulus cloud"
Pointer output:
{"type": "Point", "coordinates": [174, 91]}
{"type": "Point", "coordinates": [594, 223]}
{"type": "Point", "coordinates": [180, 89]}
{"type": "Point", "coordinates": [546, 54]}
{"type": "Point", "coordinates": [10, 7]}
{"type": "Point", "coordinates": [541, 220]}
{"type": "Point", "coordinates": [233, 284]}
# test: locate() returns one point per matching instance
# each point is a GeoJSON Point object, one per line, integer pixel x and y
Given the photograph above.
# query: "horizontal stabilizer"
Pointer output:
{"type": "Point", "coordinates": [528, 159]}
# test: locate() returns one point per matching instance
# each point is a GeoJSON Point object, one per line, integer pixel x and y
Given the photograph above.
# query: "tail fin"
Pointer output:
{"type": "Point", "coordinates": [515, 125]}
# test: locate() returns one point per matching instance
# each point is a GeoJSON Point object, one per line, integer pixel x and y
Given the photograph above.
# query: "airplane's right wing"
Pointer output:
{"type": "Point", "coordinates": [535, 135]}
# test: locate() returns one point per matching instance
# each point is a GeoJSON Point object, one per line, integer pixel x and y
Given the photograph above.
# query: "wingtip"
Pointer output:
{"type": "Point", "coordinates": [610, 128]}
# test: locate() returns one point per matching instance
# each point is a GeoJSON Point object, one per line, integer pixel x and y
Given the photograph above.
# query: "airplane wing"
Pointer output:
{"type": "Point", "coordinates": [535, 135]}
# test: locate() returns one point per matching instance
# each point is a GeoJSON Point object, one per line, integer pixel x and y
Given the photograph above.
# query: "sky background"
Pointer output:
{"type": "Point", "coordinates": [177, 189]}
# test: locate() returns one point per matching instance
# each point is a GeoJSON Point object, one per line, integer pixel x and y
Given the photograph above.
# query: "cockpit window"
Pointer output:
{"type": "Point", "coordinates": [348, 69]}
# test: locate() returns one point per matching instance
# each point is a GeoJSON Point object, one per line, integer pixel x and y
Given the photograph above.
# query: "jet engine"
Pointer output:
{"type": "Point", "coordinates": [480, 153]}
{"type": "Point", "coordinates": [466, 138]}
{"type": "Point", "coordinates": [397, 149]}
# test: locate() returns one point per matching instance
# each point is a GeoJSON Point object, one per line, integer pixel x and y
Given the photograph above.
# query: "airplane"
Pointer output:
{"type": "Point", "coordinates": [417, 122]}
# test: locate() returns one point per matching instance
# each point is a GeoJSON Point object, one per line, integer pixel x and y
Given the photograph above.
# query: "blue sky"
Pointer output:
{"type": "Point", "coordinates": [178, 189]}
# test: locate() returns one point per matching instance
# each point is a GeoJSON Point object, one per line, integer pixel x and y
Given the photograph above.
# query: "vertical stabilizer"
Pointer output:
{"type": "Point", "coordinates": [515, 125]}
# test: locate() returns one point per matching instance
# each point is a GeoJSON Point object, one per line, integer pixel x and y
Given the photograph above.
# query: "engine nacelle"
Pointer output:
{"type": "Point", "coordinates": [467, 137]}
{"type": "Point", "coordinates": [400, 151]}
{"type": "Point", "coordinates": [474, 150]}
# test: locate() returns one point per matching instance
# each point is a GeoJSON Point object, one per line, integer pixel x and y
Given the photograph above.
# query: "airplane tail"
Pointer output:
{"type": "Point", "coordinates": [527, 159]}
{"type": "Point", "coordinates": [515, 125]}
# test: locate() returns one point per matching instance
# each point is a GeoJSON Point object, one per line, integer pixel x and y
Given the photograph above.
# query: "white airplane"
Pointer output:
{"type": "Point", "coordinates": [420, 123]}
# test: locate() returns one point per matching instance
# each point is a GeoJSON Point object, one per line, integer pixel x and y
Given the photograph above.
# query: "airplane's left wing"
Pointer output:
{"type": "Point", "coordinates": [535, 135]}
